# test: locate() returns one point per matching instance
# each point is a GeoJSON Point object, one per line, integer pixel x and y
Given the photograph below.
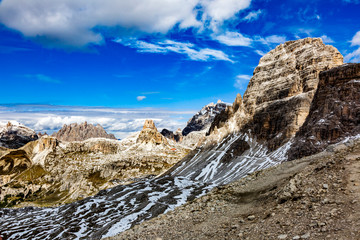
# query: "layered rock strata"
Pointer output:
{"type": "Point", "coordinates": [81, 132]}
{"type": "Point", "coordinates": [334, 112]}
{"type": "Point", "coordinates": [280, 92]}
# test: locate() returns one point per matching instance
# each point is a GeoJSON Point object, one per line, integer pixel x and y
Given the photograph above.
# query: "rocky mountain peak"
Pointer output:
{"type": "Point", "coordinates": [150, 134]}
{"type": "Point", "coordinates": [81, 132]}
{"type": "Point", "coordinates": [149, 124]}
{"type": "Point", "coordinates": [203, 119]}
{"type": "Point", "coordinates": [278, 97]}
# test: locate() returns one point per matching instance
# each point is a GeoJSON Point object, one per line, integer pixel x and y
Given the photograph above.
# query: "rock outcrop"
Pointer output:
{"type": "Point", "coordinates": [334, 112]}
{"type": "Point", "coordinates": [204, 117]}
{"type": "Point", "coordinates": [81, 132]}
{"type": "Point", "coordinates": [280, 92]}
{"type": "Point", "coordinates": [16, 135]}
{"type": "Point", "coordinates": [150, 134]}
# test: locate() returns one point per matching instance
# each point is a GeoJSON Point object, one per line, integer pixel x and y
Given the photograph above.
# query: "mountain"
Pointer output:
{"type": "Point", "coordinates": [204, 117]}
{"type": "Point", "coordinates": [254, 133]}
{"type": "Point", "coordinates": [48, 172]}
{"type": "Point", "coordinates": [334, 113]}
{"type": "Point", "coordinates": [81, 132]}
{"type": "Point", "coordinates": [15, 135]}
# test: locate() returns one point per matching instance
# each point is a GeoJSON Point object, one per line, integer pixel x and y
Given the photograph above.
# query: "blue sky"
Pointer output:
{"type": "Point", "coordinates": [151, 54]}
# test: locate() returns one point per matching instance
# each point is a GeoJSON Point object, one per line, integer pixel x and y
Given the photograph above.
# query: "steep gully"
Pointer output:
{"type": "Point", "coordinates": [239, 152]}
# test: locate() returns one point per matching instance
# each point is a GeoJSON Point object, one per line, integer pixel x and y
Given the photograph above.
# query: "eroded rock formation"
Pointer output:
{"type": "Point", "coordinates": [280, 92]}
{"type": "Point", "coordinates": [150, 134]}
{"type": "Point", "coordinates": [334, 113]}
{"type": "Point", "coordinates": [81, 132]}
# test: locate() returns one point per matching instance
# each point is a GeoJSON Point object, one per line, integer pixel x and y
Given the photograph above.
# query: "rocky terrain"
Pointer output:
{"type": "Point", "coordinates": [317, 197]}
{"type": "Point", "coordinates": [47, 172]}
{"type": "Point", "coordinates": [288, 200]}
{"type": "Point", "coordinates": [81, 132]}
{"type": "Point", "coordinates": [203, 119]}
{"type": "Point", "coordinates": [15, 135]}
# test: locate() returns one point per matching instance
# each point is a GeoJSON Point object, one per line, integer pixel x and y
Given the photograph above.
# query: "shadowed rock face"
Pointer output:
{"type": "Point", "coordinates": [204, 117]}
{"type": "Point", "coordinates": [279, 94]}
{"type": "Point", "coordinates": [81, 132]}
{"type": "Point", "coordinates": [16, 136]}
{"type": "Point", "coordinates": [334, 113]}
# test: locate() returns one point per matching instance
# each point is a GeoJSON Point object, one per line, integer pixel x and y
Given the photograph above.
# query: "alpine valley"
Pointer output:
{"type": "Point", "coordinates": [284, 156]}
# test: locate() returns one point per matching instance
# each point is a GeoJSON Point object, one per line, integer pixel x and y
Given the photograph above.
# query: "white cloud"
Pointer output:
{"type": "Point", "coordinates": [140, 98]}
{"type": "Point", "coordinates": [76, 23]}
{"type": "Point", "coordinates": [261, 53]}
{"type": "Point", "coordinates": [327, 39]}
{"type": "Point", "coordinates": [166, 46]}
{"type": "Point", "coordinates": [273, 39]}
{"type": "Point", "coordinates": [355, 55]}
{"type": "Point", "coordinates": [356, 39]}
{"type": "Point", "coordinates": [233, 39]}
{"type": "Point", "coordinates": [241, 81]}
{"type": "Point", "coordinates": [252, 16]}
{"type": "Point", "coordinates": [118, 121]}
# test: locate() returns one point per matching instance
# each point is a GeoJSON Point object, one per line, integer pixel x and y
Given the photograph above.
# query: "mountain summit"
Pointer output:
{"type": "Point", "coordinates": [81, 132]}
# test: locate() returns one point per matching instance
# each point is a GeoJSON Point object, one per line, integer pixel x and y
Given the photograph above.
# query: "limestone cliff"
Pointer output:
{"type": "Point", "coordinates": [280, 92]}
{"type": "Point", "coordinates": [334, 112]}
{"type": "Point", "coordinates": [14, 135]}
{"type": "Point", "coordinates": [81, 132]}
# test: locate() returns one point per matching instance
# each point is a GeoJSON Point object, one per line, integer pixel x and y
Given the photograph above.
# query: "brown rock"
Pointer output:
{"type": "Point", "coordinates": [81, 132]}
{"type": "Point", "coordinates": [150, 134]}
{"type": "Point", "coordinates": [334, 113]}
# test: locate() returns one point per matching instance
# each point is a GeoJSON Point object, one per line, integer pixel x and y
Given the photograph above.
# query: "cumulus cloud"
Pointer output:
{"type": "Point", "coordinates": [77, 23]}
{"type": "Point", "coordinates": [119, 121]}
{"type": "Point", "coordinates": [166, 46]}
{"type": "Point", "coordinates": [234, 39]}
{"type": "Point", "coordinates": [140, 98]}
{"type": "Point", "coordinates": [241, 81]}
{"type": "Point", "coordinates": [252, 16]}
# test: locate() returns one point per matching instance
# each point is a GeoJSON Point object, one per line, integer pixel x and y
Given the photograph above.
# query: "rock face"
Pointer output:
{"type": "Point", "coordinates": [280, 92]}
{"type": "Point", "coordinates": [204, 117]}
{"type": "Point", "coordinates": [150, 134]}
{"type": "Point", "coordinates": [15, 135]}
{"type": "Point", "coordinates": [81, 132]}
{"type": "Point", "coordinates": [334, 112]}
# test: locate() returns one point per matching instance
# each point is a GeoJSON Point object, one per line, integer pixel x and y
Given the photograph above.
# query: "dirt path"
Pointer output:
{"type": "Point", "coordinates": [313, 198]}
